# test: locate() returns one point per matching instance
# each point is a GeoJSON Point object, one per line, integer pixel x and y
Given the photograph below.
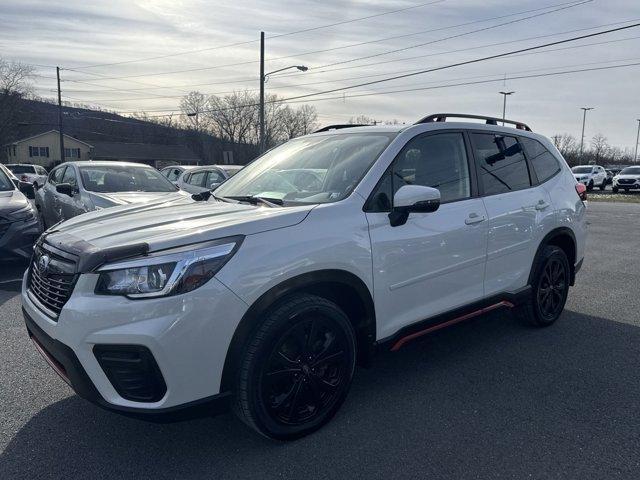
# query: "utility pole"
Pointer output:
{"type": "Point", "coordinates": [504, 104]}
{"type": "Point", "coordinates": [635, 155]}
{"type": "Point", "coordinates": [584, 119]}
{"type": "Point", "coordinates": [60, 117]}
{"type": "Point", "coordinates": [262, 79]}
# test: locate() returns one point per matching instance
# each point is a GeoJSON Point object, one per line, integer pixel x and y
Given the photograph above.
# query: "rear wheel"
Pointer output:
{"type": "Point", "coordinates": [604, 184]}
{"type": "Point", "coordinates": [614, 189]}
{"type": "Point", "coordinates": [296, 369]}
{"type": "Point", "coordinates": [550, 287]}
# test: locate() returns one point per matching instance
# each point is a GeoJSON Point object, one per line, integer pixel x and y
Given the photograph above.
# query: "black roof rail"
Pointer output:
{"type": "Point", "coordinates": [341, 125]}
{"type": "Point", "coordinates": [442, 117]}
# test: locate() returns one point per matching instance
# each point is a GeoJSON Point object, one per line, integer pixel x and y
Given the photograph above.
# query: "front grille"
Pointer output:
{"type": "Point", "coordinates": [626, 181]}
{"type": "Point", "coordinates": [51, 282]}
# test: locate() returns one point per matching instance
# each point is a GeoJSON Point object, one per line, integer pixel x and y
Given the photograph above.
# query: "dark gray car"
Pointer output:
{"type": "Point", "coordinates": [19, 226]}
{"type": "Point", "coordinates": [74, 188]}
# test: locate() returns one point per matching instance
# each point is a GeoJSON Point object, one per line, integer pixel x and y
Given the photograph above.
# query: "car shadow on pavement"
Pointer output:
{"type": "Point", "coordinates": [486, 399]}
{"type": "Point", "coordinates": [11, 272]}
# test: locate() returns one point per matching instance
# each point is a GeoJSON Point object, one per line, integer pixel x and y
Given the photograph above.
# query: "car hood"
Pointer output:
{"type": "Point", "coordinates": [125, 198]}
{"type": "Point", "coordinates": [11, 201]}
{"type": "Point", "coordinates": [632, 176]}
{"type": "Point", "coordinates": [163, 225]}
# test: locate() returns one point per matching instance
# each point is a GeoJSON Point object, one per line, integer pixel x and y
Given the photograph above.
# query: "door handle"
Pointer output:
{"type": "Point", "coordinates": [474, 218]}
{"type": "Point", "coordinates": [542, 205]}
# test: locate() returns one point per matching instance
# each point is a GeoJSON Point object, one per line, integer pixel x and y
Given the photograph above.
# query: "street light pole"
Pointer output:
{"type": "Point", "coordinates": [504, 104]}
{"type": "Point", "coordinates": [635, 155]}
{"type": "Point", "coordinates": [263, 79]}
{"type": "Point", "coordinates": [60, 117]}
{"type": "Point", "coordinates": [261, 114]}
{"type": "Point", "coordinates": [584, 119]}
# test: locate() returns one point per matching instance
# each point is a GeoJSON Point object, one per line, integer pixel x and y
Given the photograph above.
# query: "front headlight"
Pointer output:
{"type": "Point", "coordinates": [167, 273]}
{"type": "Point", "coordinates": [25, 213]}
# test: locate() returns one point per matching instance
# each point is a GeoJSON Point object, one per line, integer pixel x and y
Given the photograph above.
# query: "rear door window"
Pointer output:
{"type": "Point", "coordinates": [544, 163]}
{"type": "Point", "coordinates": [197, 179]}
{"type": "Point", "coordinates": [501, 164]}
{"type": "Point", "coordinates": [70, 177]}
{"type": "Point", "coordinates": [55, 177]}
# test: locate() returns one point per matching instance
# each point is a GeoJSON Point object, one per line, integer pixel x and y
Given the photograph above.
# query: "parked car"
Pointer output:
{"type": "Point", "coordinates": [610, 176]}
{"type": "Point", "coordinates": [174, 172]}
{"type": "Point", "coordinates": [590, 176]}
{"type": "Point", "coordinates": [34, 174]}
{"type": "Point", "coordinates": [627, 179]}
{"type": "Point", "coordinates": [19, 226]}
{"type": "Point", "coordinates": [201, 179]}
{"type": "Point", "coordinates": [267, 299]}
{"type": "Point", "coordinates": [230, 170]}
{"type": "Point", "coordinates": [79, 187]}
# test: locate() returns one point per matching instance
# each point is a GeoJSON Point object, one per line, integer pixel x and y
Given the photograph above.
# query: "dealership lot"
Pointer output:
{"type": "Point", "coordinates": [486, 399]}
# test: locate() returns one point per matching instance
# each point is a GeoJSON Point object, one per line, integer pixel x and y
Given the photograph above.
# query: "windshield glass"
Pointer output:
{"type": "Point", "coordinates": [318, 169]}
{"type": "Point", "coordinates": [5, 182]}
{"type": "Point", "coordinates": [18, 169]}
{"type": "Point", "coordinates": [119, 178]}
{"type": "Point", "coordinates": [630, 171]}
{"type": "Point", "coordinates": [582, 169]}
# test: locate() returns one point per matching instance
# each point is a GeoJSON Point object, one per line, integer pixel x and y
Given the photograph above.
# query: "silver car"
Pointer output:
{"type": "Point", "coordinates": [201, 179]}
{"type": "Point", "coordinates": [74, 188]}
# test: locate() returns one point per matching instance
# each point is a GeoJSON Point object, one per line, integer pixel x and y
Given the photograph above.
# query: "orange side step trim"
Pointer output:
{"type": "Point", "coordinates": [396, 346]}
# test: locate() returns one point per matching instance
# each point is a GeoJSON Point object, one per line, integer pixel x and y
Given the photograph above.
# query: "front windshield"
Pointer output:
{"type": "Point", "coordinates": [317, 169]}
{"type": "Point", "coordinates": [5, 182]}
{"type": "Point", "coordinates": [119, 178]}
{"type": "Point", "coordinates": [630, 171]}
{"type": "Point", "coordinates": [582, 169]}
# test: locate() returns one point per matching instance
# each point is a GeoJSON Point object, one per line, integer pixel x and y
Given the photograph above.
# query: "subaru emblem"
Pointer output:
{"type": "Point", "coordinates": [43, 264]}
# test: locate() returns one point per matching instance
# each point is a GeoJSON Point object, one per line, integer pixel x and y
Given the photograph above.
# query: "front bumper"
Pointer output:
{"type": "Point", "coordinates": [17, 238]}
{"type": "Point", "coordinates": [633, 186]}
{"type": "Point", "coordinates": [187, 335]}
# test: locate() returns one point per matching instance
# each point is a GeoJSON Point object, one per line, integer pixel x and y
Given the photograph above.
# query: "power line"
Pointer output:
{"type": "Point", "coordinates": [458, 64]}
{"type": "Point", "coordinates": [200, 69]}
{"type": "Point", "coordinates": [248, 42]}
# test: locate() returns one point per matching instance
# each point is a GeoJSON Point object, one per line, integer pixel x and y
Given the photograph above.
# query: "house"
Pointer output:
{"type": "Point", "coordinates": [156, 155]}
{"type": "Point", "coordinates": [44, 149]}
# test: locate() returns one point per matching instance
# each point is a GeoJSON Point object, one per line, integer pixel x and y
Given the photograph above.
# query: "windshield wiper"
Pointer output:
{"type": "Point", "coordinates": [255, 199]}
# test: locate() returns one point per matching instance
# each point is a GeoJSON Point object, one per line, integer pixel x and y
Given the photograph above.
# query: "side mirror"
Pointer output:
{"type": "Point", "coordinates": [201, 197]}
{"type": "Point", "coordinates": [26, 188]}
{"type": "Point", "coordinates": [65, 188]}
{"type": "Point", "coordinates": [413, 198]}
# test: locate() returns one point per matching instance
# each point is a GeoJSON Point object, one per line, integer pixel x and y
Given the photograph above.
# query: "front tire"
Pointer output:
{"type": "Point", "coordinates": [296, 369]}
{"type": "Point", "coordinates": [604, 184]}
{"type": "Point", "coordinates": [614, 189]}
{"type": "Point", "coordinates": [590, 185]}
{"type": "Point", "coordinates": [550, 288]}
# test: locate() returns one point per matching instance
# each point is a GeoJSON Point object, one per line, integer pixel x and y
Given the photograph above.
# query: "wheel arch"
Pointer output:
{"type": "Point", "coordinates": [344, 288]}
{"type": "Point", "coordinates": [561, 237]}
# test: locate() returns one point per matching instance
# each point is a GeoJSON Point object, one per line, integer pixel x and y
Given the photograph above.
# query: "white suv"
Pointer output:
{"type": "Point", "coordinates": [34, 174]}
{"type": "Point", "coordinates": [590, 176]}
{"type": "Point", "coordinates": [265, 295]}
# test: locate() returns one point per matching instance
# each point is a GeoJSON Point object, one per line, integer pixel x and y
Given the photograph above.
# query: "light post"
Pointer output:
{"type": "Point", "coordinates": [504, 103]}
{"type": "Point", "coordinates": [584, 119]}
{"type": "Point", "coordinates": [263, 79]}
{"type": "Point", "coordinates": [635, 155]}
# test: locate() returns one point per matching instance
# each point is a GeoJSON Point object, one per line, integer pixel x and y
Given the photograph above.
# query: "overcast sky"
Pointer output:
{"type": "Point", "coordinates": [76, 34]}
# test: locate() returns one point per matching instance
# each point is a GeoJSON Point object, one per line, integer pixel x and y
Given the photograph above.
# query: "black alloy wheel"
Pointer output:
{"type": "Point", "coordinates": [296, 368]}
{"type": "Point", "coordinates": [552, 289]}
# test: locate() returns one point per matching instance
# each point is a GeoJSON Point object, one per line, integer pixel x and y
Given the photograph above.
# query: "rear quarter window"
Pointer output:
{"type": "Point", "coordinates": [544, 163]}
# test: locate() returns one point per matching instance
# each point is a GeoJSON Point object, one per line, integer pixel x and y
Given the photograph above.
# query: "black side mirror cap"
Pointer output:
{"type": "Point", "coordinates": [202, 196]}
{"type": "Point", "coordinates": [66, 189]}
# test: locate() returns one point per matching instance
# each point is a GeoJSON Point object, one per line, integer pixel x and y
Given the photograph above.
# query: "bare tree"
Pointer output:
{"type": "Point", "coordinates": [297, 122]}
{"type": "Point", "coordinates": [599, 146]}
{"type": "Point", "coordinates": [192, 107]}
{"type": "Point", "coordinates": [15, 84]}
{"type": "Point", "coordinates": [233, 117]}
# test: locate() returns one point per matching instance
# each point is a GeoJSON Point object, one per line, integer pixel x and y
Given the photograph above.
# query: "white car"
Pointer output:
{"type": "Point", "coordinates": [590, 176]}
{"type": "Point", "coordinates": [627, 179]}
{"type": "Point", "coordinates": [33, 174]}
{"type": "Point", "coordinates": [174, 172]}
{"type": "Point", "coordinates": [267, 295]}
{"type": "Point", "coordinates": [201, 179]}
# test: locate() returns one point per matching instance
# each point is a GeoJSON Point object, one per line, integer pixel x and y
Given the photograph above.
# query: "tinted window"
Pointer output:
{"type": "Point", "coordinates": [582, 169]}
{"type": "Point", "coordinates": [630, 171]}
{"type": "Point", "coordinates": [542, 160]}
{"type": "Point", "coordinates": [501, 164]}
{"type": "Point", "coordinates": [173, 174]}
{"type": "Point", "coordinates": [214, 178]}
{"type": "Point", "coordinates": [438, 161]}
{"type": "Point", "coordinates": [70, 177]}
{"type": "Point", "coordinates": [55, 176]}
{"type": "Point", "coordinates": [18, 169]}
{"type": "Point", "coordinates": [124, 178]}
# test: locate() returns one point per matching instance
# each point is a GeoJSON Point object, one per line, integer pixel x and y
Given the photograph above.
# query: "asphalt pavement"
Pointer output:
{"type": "Point", "coordinates": [487, 399]}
